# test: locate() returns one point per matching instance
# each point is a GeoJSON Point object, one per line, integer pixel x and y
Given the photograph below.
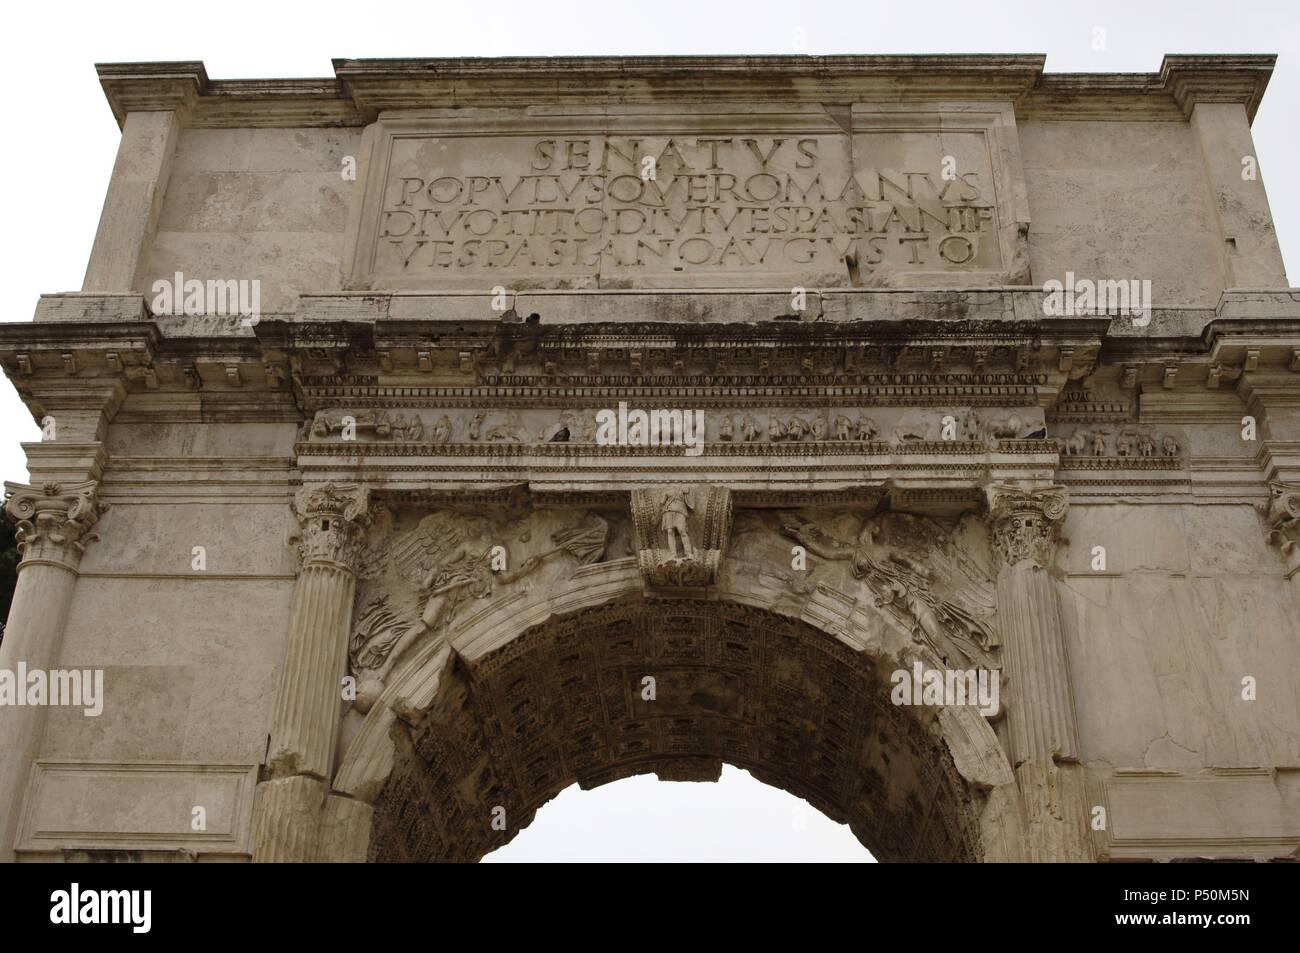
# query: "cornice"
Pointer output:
{"type": "Point", "coordinates": [1171, 93]}
{"type": "Point", "coordinates": [361, 89]}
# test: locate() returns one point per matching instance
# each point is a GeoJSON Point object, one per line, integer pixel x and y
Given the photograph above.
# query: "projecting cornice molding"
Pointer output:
{"type": "Point", "coordinates": [361, 89]}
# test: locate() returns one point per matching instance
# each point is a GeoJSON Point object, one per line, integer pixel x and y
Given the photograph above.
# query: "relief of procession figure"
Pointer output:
{"type": "Point", "coordinates": [1130, 441]}
{"type": "Point", "coordinates": [376, 424]}
{"type": "Point", "coordinates": [955, 626]}
{"type": "Point", "coordinates": [446, 561]}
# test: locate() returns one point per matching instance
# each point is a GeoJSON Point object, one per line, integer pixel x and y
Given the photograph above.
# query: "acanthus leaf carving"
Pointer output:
{"type": "Point", "coordinates": [1282, 520]}
{"type": "Point", "coordinates": [1025, 524]}
{"type": "Point", "coordinates": [54, 520]}
{"type": "Point", "coordinates": [333, 518]}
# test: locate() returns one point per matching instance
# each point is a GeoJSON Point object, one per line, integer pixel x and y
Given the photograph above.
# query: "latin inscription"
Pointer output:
{"type": "Point", "coordinates": [832, 207]}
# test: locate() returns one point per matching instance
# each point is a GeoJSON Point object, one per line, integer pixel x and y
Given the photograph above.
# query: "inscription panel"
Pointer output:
{"type": "Point", "coordinates": [868, 196]}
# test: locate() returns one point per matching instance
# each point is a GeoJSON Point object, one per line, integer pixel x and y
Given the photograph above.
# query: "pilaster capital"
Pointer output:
{"type": "Point", "coordinates": [333, 519]}
{"type": "Point", "coordinates": [1025, 523]}
{"type": "Point", "coordinates": [1282, 520]}
{"type": "Point", "coordinates": [54, 520]}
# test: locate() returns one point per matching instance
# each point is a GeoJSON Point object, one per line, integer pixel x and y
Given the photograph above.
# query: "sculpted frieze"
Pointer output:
{"type": "Point", "coordinates": [644, 423]}
{"type": "Point", "coordinates": [423, 570]}
{"type": "Point", "coordinates": [1118, 446]}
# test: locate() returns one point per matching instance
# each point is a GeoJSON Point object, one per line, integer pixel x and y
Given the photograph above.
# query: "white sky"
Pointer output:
{"type": "Point", "coordinates": [63, 140]}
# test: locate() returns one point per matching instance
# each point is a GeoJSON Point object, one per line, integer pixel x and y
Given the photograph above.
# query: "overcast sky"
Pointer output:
{"type": "Point", "coordinates": [63, 139]}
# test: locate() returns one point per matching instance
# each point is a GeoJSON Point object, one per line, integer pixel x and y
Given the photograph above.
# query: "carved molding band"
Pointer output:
{"type": "Point", "coordinates": [54, 519]}
{"type": "Point", "coordinates": [1025, 524]}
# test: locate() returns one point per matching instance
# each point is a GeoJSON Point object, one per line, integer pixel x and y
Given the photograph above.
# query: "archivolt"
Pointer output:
{"type": "Point", "coordinates": [542, 690]}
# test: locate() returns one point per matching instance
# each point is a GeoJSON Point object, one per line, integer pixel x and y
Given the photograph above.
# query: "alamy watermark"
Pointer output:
{"type": "Point", "coordinates": [240, 297]}
{"type": "Point", "coordinates": [73, 688]}
{"type": "Point", "coordinates": [946, 687]}
{"type": "Point", "coordinates": [651, 428]}
{"type": "Point", "coordinates": [75, 906]}
{"type": "Point", "coordinates": [1084, 296]}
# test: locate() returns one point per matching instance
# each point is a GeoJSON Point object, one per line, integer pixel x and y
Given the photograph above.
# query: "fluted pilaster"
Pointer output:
{"type": "Point", "coordinates": [286, 819]}
{"type": "Point", "coordinates": [309, 699]}
{"type": "Point", "coordinates": [1024, 526]}
{"type": "Point", "coordinates": [315, 659]}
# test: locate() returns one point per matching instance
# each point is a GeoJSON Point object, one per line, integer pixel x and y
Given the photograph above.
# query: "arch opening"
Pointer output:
{"type": "Point", "coordinates": [675, 688]}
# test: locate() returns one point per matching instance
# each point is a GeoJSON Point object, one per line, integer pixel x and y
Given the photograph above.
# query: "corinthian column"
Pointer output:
{"type": "Point", "coordinates": [1024, 525]}
{"type": "Point", "coordinates": [307, 708]}
{"type": "Point", "coordinates": [54, 526]}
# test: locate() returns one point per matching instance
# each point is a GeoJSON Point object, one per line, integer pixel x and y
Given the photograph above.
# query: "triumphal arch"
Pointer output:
{"type": "Point", "coordinates": [435, 436]}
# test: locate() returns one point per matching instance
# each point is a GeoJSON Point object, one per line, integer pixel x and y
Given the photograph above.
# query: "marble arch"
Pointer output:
{"type": "Point", "coordinates": [728, 695]}
{"type": "Point", "coordinates": [264, 528]}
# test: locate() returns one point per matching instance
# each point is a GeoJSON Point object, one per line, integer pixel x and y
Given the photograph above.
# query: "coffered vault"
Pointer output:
{"type": "Point", "coordinates": [325, 496]}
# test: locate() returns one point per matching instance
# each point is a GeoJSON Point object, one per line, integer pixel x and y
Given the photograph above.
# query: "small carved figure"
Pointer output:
{"type": "Point", "coordinates": [677, 506]}
{"type": "Point", "coordinates": [748, 428]}
{"type": "Point", "coordinates": [1099, 443]}
{"type": "Point", "coordinates": [775, 429]}
{"type": "Point", "coordinates": [867, 429]}
{"type": "Point", "coordinates": [507, 431]}
{"type": "Point", "coordinates": [1169, 445]}
{"type": "Point", "coordinates": [843, 427]}
{"type": "Point", "coordinates": [726, 429]}
{"type": "Point", "coordinates": [475, 426]}
{"type": "Point", "coordinates": [1146, 445]}
{"type": "Point", "coordinates": [997, 428]}
{"type": "Point", "coordinates": [906, 433]}
{"type": "Point", "coordinates": [796, 429]}
{"type": "Point", "coordinates": [442, 429]}
{"type": "Point", "coordinates": [819, 428]}
{"type": "Point", "coordinates": [1076, 443]}
{"type": "Point", "coordinates": [1125, 444]}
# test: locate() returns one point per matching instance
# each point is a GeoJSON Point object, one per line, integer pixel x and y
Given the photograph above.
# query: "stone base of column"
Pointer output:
{"type": "Point", "coordinates": [1057, 812]}
{"type": "Point", "coordinates": [287, 819]}
{"type": "Point", "coordinates": [344, 830]}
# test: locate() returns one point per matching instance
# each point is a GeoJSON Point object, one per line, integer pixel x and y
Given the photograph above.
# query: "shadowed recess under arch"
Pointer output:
{"type": "Point", "coordinates": [566, 703]}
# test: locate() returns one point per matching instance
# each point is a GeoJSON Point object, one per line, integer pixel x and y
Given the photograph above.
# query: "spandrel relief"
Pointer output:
{"type": "Point", "coordinates": [920, 575]}
{"type": "Point", "coordinates": [424, 570]}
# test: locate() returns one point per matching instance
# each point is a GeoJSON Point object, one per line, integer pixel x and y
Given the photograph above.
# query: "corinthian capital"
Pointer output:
{"type": "Point", "coordinates": [1025, 524]}
{"type": "Point", "coordinates": [334, 517]}
{"type": "Point", "coordinates": [54, 519]}
{"type": "Point", "coordinates": [1282, 520]}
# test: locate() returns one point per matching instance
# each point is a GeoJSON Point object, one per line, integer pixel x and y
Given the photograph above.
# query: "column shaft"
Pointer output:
{"type": "Point", "coordinates": [53, 528]}
{"type": "Point", "coordinates": [33, 636]}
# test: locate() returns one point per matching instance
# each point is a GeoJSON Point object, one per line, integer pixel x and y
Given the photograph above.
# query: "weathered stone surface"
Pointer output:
{"type": "Point", "coordinates": [427, 531]}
